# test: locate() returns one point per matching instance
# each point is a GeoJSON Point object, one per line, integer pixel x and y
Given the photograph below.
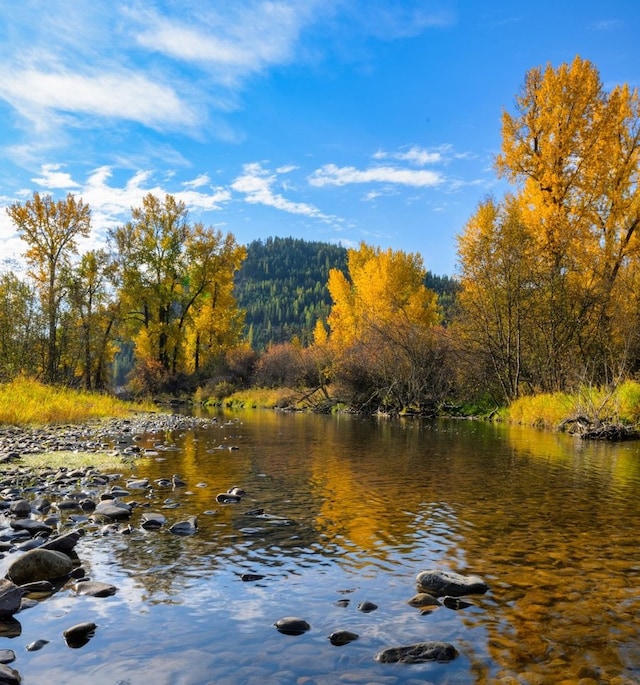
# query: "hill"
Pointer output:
{"type": "Point", "coordinates": [282, 286]}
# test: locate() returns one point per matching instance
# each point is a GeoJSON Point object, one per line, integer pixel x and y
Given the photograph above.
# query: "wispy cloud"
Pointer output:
{"type": "Point", "coordinates": [416, 155]}
{"type": "Point", "coordinates": [332, 175]}
{"type": "Point", "coordinates": [256, 184]}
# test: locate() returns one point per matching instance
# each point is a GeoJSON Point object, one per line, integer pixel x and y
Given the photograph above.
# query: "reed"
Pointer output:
{"type": "Point", "coordinates": [26, 402]}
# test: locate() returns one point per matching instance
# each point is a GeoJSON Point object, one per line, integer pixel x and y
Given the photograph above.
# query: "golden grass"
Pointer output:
{"type": "Point", "coordinates": [549, 410]}
{"type": "Point", "coordinates": [26, 402]}
{"type": "Point", "coordinates": [263, 398]}
{"type": "Point", "coordinates": [103, 461]}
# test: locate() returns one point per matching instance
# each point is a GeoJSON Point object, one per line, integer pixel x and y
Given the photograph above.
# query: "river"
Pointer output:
{"type": "Point", "coordinates": [354, 508]}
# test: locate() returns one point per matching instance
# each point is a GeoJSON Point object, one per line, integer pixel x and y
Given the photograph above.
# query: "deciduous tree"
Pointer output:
{"type": "Point", "coordinates": [51, 230]}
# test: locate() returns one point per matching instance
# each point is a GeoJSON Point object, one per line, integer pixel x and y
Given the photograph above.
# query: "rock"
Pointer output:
{"type": "Point", "coordinates": [10, 598]}
{"type": "Point", "coordinates": [39, 564]}
{"type": "Point", "coordinates": [36, 645]}
{"type": "Point", "coordinates": [94, 588]}
{"type": "Point", "coordinates": [455, 603]}
{"type": "Point", "coordinates": [31, 526]}
{"type": "Point", "coordinates": [439, 583]}
{"type": "Point", "coordinates": [7, 656]}
{"type": "Point", "coordinates": [418, 653]}
{"type": "Point", "coordinates": [20, 507]}
{"type": "Point", "coordinates": [63, 543]}
{"type": "Point", "coordinates": [227, 498]}
{"type": "Point", "coordinates": [249, 577]}
{"type": "Point", "coordinates": [367, 607]}
{"type": "Point", "coordinates": [188, 527]}
{"type": "Point", "coordinates": [79, 634]}
{"type": "Point", "coordinates": [423, 599]}
{"type": "Point", "coordinates": [152, 521]}
{"type": "Point", "coordinates": [9, 676]}
{"type": "Point", "coordinates": [292, 625]}
{"type": "Point", "coordinates": [115, 511]}
{"type": "Point", "coordinates": [342, 637]}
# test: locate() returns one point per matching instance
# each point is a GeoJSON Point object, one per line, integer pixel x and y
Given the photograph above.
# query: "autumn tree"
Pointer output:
{"type": "Point", "coordinates": [497, 293]}
{"type": "Point", "coordinates": [51, 230]}
{"type": "Point", "coordinates": [382, 327]}
{"type": "Point", "coordinates": [93, 312]}
{"type": "Point", "coordinates": [21, 339]}
{"type": "Point", "coordinates": [176, 284]}
{"type": "Point", "coordinates": [572, 149]}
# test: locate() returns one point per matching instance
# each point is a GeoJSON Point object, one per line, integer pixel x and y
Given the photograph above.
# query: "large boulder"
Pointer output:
{"type": "Point", "coordinates": [39, 564]}
{"type": "Point", "coordinates": [439, 583]}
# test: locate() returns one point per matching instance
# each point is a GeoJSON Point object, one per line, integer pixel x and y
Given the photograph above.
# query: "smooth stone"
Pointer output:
{"type": "Point", "coordinates": [113, 511]}
{"type": "Point", "coordinates": [418, 653]}
{"type": "Point", "coordinates": [36, 645]}
{"type": "Point", "coordinates": [7, 656]}
{"type": "Point", "coordinates": [248, 577]}
{"type": "Point", "coordinates": [39, 564]}
{"type": "Point", "coordinates": [227, 498]}
{"type": "Point", "coordinates": [94, 588]}
{"type": "Point", "coordinates": [10, 627]}
{"type": "Point", "coordinates": [342, 637]}
{"type": "Point", "coordinates": [20, 507]}
{"type": "Point", "coordinates": [10, 598]}
{"type": "Point", "coordinates": [31, 526]}
{"type": "Point", "coordinates": [455, 603]}
{"type": "Point", "coordinates": [292, 625]}
{"type": "Point", "coordinates": [63, 543]}
{"type": "Point", "coordinates": [423, 599]}
{"type": "Point", "coordinates": [152, 521]}
{"type": "Point", "coordinates": [367, 606]}
{"type": "Point", "coordinates": [9, 676]}
{"type": "Point", "coordinates": [188, 527]}
{"type": "Point", "coordinates": [439, 583]}
{"type": "Point", "coordinates": [79, 634]}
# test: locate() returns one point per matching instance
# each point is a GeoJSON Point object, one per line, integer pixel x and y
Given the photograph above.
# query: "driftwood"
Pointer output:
{"type": "Point", "coordinates": [586, 429]}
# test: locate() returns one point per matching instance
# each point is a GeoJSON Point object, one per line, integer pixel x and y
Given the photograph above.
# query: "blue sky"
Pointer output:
{"type": "Point", "coordinates": [333, 120]}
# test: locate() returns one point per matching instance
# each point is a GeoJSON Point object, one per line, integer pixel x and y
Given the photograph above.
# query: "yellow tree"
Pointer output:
{"type": "Point", "coordinates": [381, 327]}
{"type": "Point", "coordinates": [50, 230]}
{"type": "Point", "coordinates": [573, 150]}
{"type": "Point", "coordinates": [497, 278]}
{"type": "Point", "coordinates": [169, 270]}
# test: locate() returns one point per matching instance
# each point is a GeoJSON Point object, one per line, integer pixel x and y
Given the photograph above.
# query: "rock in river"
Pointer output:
{"type": "Point", "coordinates": [9, 676]}
{"type": "Point", "coordinates": [94, 588]}
{"type": "Point", "coordinates": [418, 653]}
{"type": "Point", "coordinates": [438, 583]}
{"type": "Point", "coordinates": [10, 598]}
{"type": "Point", "coordinates": [39, 564]}
{"type": "Point", "coordinates": [292, 625]}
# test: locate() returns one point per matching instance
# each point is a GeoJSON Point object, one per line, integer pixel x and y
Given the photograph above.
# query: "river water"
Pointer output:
{"type": "Point", "coordinates": [353, 509]}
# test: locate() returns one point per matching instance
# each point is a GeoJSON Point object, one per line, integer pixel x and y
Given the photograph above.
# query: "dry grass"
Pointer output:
{"type": "Point", "coordinates": [25, 402]}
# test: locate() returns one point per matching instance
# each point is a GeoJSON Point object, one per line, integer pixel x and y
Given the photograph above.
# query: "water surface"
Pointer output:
{"type": "Point", "coordinates": [355, 508]}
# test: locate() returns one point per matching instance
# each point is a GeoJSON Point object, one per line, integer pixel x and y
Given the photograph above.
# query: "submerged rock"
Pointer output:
{"type": "Point", "coordinates": [418, 653]}
{"type": "Point", "coordinates": [438, 583]}
{"type": "Point", "coordinates": [188, 527]}
{"type": "Point", "coordinates": [94, 588]}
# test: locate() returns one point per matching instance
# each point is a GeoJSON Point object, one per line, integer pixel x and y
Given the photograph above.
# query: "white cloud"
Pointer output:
{"type": "Point", "coordinates": [256, 184]}
{"type": "Point", "coordinates": [115, 95]}
{"type": "Point", "coordinates": [52, 177]}
{"type": "Point", "coordinates": [332, 175]}
{"type": "Point", "coordinates": [414, 155]}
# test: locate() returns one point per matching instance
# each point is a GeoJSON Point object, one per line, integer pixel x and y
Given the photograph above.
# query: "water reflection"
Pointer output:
{"type": "Point", "coordinates": [351, 509]}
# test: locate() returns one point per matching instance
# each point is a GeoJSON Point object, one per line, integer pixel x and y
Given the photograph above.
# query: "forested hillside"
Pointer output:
{"type": "Point", "coordinates": [282, 285]}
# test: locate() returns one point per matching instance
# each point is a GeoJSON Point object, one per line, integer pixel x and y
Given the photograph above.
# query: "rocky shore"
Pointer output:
{"type": "Point", "coordinates": [44, 513]}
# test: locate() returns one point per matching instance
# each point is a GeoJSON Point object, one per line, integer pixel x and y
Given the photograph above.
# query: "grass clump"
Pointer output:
{"type": "Point", "coordinates": [598, 405]}
{"type": "Point", "coordinates": [26, 402]}
{"type": "Point", "coordinates": [104, 461]}
{"type": "Point", "coordinates": [257, 398]}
